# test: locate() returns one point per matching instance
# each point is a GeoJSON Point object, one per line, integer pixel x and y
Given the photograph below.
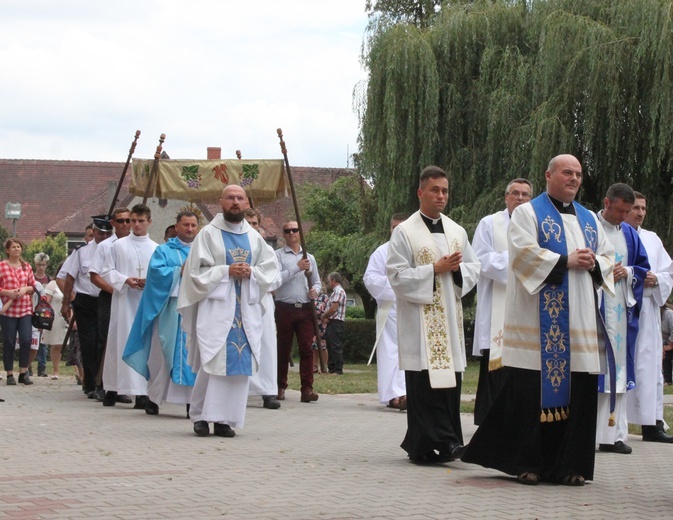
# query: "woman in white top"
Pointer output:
{"type": "Point", "coordinates": [54, 337]}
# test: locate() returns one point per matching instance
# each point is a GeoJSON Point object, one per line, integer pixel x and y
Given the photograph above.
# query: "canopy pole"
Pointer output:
{"type": "Point", "coordinates": [316, 327]}
{"type": "Point", "coordinates": [155, 168]}
{"type": "Point", "coordinates": [126, 167]}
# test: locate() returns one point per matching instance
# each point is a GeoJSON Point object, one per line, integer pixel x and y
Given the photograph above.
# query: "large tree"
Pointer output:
{"type": "Point", "coordinates": [491, 90]}
{"type": "Point", "coordinates": [341, 238]}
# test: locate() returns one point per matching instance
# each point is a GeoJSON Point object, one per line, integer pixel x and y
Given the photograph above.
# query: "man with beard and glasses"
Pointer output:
{"type": "Point", "coordinates": [229, 269]}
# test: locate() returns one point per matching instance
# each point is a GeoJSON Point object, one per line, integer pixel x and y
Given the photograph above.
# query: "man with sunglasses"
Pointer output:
{"type": "Point", "coordinates": [121, 222]}
{"type": "Point", "coordinates": [125, 269]}
{"type": "Point", "coordinates": [293, 311]}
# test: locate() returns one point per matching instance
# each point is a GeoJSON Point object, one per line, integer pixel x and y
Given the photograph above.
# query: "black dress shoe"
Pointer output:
{"type": "Point", "coordinates": [99, 394]}
{"type": "Point", "coordinates": [110, 398]}
{"type": "Point", "coordinates": [430, 457]}
{"type": "Point", "coordinates": [141, 402]}
{"type": "Point", "coordinates": [656, 434]}
{"type": "Point", "coordinates": [456, 452]}
{"type": "Point", "coordinates": [91, 394]}
{"type": "Point", "coordinates": [271, 402]}
{"type": "Point", "coordinates": [151, 408]}
{"type": "Point", "coordinates": [201, 428]}
{"type": "Point", "coordinates": [223, 430]}
{"type": "Point", "coordinates": [124, 399]}
{"type": "Point", "coordinates": [617, 447]}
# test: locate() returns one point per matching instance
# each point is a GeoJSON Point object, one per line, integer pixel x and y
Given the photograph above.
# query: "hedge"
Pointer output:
{"type": "Point", "coordinates": [360, 335]}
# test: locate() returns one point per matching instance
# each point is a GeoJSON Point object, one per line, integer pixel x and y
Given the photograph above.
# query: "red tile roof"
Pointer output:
{"type": "Point", "coordinates": [62, 195]}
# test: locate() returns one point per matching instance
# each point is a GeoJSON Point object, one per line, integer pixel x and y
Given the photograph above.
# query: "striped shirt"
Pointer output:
{"type": "Point", "coordinates": [338, 296]}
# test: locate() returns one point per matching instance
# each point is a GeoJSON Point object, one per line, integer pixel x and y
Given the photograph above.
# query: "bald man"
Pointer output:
{"type": "Point", "coordinates": [229, 269]}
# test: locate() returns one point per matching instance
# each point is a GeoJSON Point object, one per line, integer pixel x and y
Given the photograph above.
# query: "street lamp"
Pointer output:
{"type": "Point", "coordinates": [13, 211]}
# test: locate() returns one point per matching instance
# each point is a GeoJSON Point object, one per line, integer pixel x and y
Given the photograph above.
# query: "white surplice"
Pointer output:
{"type": "Point", "coordinates": [265, 380]}
{"type": "Point", "coordinates": [616, 325]}
{"type": "Point", "coordinates": [390, 378]}
{"type": "Point", "coordinates": [644, 404]}
{"type": "Point", "coordinates": [128, 257]}
{"type": "Point", "coordinates": [493, 271]}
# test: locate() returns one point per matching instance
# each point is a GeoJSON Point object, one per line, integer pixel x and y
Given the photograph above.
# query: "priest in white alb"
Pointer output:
{"type": "Point", "coordinates": [157, 345]}
{"type": "Point", "coordinates": [431, 266]}
{"type": "Point", "coordinates": [229, 269]}
{"type": "Point", "coordinates": [490, 245]}
{"type": "Point", "coordinates": [645, 403]}
{"type": "Point", "coordinates": [621, 313]}
{"type": "Point", "coordinates": [125, 270]}
{"type": "Point", "coordinates": [390, 379]}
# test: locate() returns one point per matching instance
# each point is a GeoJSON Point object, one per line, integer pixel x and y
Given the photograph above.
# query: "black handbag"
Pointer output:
{"type": "Point", "coordinates": [43, 315]}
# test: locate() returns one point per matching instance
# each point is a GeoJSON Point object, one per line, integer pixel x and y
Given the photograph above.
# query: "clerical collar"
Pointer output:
{"type": "Point", "coordinates": [606, 223]}
{"type": "Point", "coordinates": [434, 224]}
{"type": "Point", "coordinates": [235, 226]}
{"type": "Point", "coordinates": [187, 244]}
{"type": "Point", "coordinates": [562, 207]}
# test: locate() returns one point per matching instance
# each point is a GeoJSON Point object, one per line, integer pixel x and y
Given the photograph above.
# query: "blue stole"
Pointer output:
{"type": "Point", "coordinates": [156, 305]}
{"type": "Point", "coordinates": [637, 260]}
{"type": "Point", "coordinates": [239, 353]}
{"type": "Point", "coordinates": [554, 308]}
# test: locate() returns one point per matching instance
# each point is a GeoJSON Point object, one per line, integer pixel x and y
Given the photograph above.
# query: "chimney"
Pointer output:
{"type": "Point", "coordinates": [214, 153]}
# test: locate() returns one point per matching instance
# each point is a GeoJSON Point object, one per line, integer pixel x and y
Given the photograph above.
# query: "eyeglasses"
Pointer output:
{"type": "Point", "coordinates": [123, 220]}
{"type": "Point", "coordinates": [291, 230]}
{"type": "Point", "coordinates": [517, 194]}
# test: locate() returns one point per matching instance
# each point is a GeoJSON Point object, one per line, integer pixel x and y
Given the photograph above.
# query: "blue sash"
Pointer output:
{"type": "Point", "coordinates": [239, 353]}
{"type": "Point", "coordinates": [638, 261]}
{"type": "Point", "coordinates": [554, 308]}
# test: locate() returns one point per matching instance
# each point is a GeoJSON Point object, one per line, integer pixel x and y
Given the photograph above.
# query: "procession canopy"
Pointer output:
{"type": "Point", "coordinates": [263, 180]}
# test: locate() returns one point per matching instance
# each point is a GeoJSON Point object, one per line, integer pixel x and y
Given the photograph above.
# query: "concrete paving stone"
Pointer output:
{"type": "Point", "coordinates": [337, 459]}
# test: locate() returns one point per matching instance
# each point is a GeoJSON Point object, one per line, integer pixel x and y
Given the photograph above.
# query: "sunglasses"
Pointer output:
{"type": "Point", "coordinates": [291, 230]}
{"type": "Point", "coordinates": [123, 220]}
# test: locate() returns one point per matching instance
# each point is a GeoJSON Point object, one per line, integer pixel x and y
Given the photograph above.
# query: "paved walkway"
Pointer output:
{"type": "Point", "coordinates": [66, 457]}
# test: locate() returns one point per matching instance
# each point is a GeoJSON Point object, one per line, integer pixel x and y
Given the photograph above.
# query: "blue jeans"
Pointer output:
{"type": "Point", "coordinates": [42, 358]}
{"type": "Point", "coordinates": [10, 326]}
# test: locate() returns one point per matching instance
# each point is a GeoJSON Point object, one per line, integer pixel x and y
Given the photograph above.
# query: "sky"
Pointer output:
{"type": "Point", "coordinates": [79, 77]}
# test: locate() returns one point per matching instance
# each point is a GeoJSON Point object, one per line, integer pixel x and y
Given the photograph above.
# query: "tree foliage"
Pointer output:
{"type": "Point", "coordinates": [341, 238]}
{"type": "Point", "coordinates": [491, 90]}
{"type": "Point", "coordinates": [4, 235]}
{"type": "Point", "coordinates": [417, 12]}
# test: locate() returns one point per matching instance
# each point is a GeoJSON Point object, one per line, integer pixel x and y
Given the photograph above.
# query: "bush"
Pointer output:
{"type": "Point", "coordinates": [355, 312]}
{"type": "Point", "coordinates": [358, 340]}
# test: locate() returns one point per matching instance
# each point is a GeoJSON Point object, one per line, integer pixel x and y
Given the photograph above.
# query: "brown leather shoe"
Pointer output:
{"type": "Point", "coordinates": [308, 396]}
{"type": "Point", "coordinates": [281, 394]}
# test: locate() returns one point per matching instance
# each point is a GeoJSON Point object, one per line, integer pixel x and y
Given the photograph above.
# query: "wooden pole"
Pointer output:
{"type": "Point", "coordinates": [113, 203]}
{"type": "Point", "coordinates": [316, 327]}
{"type": "Point", "coordinates": [126, 167]}
{"type": "Point", "coordinates": [155, 168]}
